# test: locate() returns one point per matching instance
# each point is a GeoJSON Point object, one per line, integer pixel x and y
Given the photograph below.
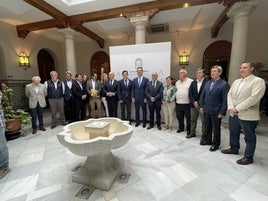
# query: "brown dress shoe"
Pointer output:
{"type": "Point", "coordinates": [229, 151]}
{"type": "Point", "coordinates": [190, 135]}
{"type": "Point", "coordinates": [34, 131]}
{"type": "Point", "coordinates": [244, 161]}
{"type": "Point", "coordinates": [42, 129]}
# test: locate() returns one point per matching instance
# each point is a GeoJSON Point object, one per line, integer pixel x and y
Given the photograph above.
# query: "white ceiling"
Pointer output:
{"type": "Point", "coordinates": [18, 12]}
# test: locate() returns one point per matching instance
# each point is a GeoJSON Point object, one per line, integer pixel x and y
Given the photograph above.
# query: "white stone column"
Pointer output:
{"type": "Point", "coordinates": [140, 23]}
{"type": "Point", "coordinates": [70, 49]}
{"type": "Point", "coordinates": [241, 12]}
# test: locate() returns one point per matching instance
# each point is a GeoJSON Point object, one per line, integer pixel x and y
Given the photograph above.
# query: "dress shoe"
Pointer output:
{"type": "Point", "coordinates": [34, 131]}
{"type": "Point", "coordinates": [190, 135]}
{"type": "Point", "coordinates": [144, 125]}
{"type": "Point", "coordinates": [43, 129]}
{"type": "Point", "coordinates": [205, 143]}
{"type": "Point", "coordinates": [150, 127]}
{"type": "Point", "coordinates": [180, 130]}
{"type": "Point", "coordinates": [244, 161]}
{"type": "Point", "coordinates": [53, 126]}
{"type": "Point", "coordinates": [229, 151]}
{"type": "Point", "coordinates": [137, 124]}
{"type": "Point", "coordinates": [213, 148]}
{"type": "Point", "coordinates": [188, 132]}
{"type": "Point", "coordinates": [64, 123]}
{"type": "Point", "coordinates": [159, 128]}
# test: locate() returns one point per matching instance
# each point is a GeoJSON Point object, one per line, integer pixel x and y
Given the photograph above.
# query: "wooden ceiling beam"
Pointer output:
{"type": "Point", "coordinates": [60, 21]}
{"type": "Point", "coordinates": [223, 17]}
{"type": "Point", "coordinates": [161, 5]}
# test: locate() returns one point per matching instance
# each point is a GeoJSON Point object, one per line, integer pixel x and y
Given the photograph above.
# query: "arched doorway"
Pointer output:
{"type": "Point", "coordinates": [100, 63]}
{"type": "Point", "coordinates": [218, 53]}
{"type": "Point", "coordinates": [45, 64]}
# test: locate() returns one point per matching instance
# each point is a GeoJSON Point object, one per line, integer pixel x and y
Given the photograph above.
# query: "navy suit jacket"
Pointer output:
{"type": "Point", "coordinates": [68, 95]}
{"type": "Point", "coordinates": [77, 91]}
{"type": "Point", "coordinates": [111, 88]}
{"type": "Point", "coordinates": [156, 92]}
{"type": "Point", "coordinates": [124, 92]}
{"type": "Point", "coordinates": [215, 101]}
{"type": "Point", "coordinates": [193, 94]}
{"type": "Point", "coordinates": [138, 92]}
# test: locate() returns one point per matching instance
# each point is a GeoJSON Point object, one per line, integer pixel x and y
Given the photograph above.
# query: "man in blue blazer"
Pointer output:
{"type": "Point", "coordinates": [213, 103]}
{"type": "Point", "coordinates": [111, 90]}
{"type": "Point", "coordinates": [124, 96]}
{"type": "Point", "coordinates": [154, 94]}
{"type": "Point", "coordinates": [138, 96]}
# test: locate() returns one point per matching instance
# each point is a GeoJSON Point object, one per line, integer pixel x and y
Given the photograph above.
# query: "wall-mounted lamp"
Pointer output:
{"type": "Point", "coordinates": [184, 58]}
{"type": "Point", "coordinates": [24, 61]}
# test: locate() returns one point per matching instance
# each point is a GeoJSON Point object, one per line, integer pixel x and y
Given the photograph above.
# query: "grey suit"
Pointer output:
{"type": "Point", "coordinates": [94, 98]}
{"type": "Point", "coordinates": [37, 102]}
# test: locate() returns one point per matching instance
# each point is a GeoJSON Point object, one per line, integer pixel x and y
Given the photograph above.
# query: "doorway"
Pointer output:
{"type": "Point", "coordinates": [100, 63]}
{"type": "Point", "coordinates": [45, 64]}
{"type": "Point", "coordinates": [218, 53]}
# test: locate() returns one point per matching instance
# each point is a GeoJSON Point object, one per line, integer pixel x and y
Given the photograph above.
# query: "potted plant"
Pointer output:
{"type": "Point", "coordinates": [14, 118]}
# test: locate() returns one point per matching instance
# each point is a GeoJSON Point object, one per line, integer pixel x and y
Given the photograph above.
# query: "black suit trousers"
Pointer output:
{"type": "Point", "coordinates": [212, 132]}
{"type": "Point", "coordinates": [155, 107]}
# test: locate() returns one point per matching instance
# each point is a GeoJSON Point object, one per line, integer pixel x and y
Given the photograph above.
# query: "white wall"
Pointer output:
{"type": "Point", "coordinates": [11, 46]}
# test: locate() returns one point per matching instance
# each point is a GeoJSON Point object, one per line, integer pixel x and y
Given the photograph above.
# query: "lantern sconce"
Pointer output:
{"type": "Point", "coordinates": [184, 58]}
{"type": "Point", "coordinates": [24, 61]}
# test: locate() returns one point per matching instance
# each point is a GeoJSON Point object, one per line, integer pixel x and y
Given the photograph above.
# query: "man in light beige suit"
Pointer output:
{"type": "Point", "coordinates": [243, 103]}
{"type": "Point", "coordinates": [36, 92]}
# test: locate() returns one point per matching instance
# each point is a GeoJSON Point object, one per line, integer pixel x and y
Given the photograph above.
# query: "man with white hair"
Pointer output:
{"type": "Point", "coordinates": [183, 101]}
{"type": "Point", "coordinates": [36, 92]}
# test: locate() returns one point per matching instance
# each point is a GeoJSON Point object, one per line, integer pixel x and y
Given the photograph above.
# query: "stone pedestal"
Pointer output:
{"type": "Point", "coordinates": [99, 171]}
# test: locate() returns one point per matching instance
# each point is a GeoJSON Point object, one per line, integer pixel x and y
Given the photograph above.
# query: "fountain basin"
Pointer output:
{"type": "Point", "coordinates": [95, 138]}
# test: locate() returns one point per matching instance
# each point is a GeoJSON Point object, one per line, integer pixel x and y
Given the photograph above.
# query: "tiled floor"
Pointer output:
{"type": "Point", "coordinates": [164, 166]}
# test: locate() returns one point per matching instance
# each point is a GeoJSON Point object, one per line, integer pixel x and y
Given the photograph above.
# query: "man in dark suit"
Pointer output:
{"type": "Point", "coordinates": [80, 94]}
{"type": "Point", "coordinates": [69, 107]}
{"type": "Point", "coordinates": [195, 91]}
{"type": "Point", "coordinates": [124, 96]}
{"type": "Point", "coordinates": [213, 103]}
{"type": "Point", "coordinates": [138, 96]}
{"type": "Point", "coordinates": [111, 89]}
{"type": "Point", "coordinates": [94, 89]}
{"type": "Point", "coordinates": [154, 93]}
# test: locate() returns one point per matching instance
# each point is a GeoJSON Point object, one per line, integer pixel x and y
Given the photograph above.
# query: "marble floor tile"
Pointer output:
{"type": "Point", "coordinates": [26, 158]}
{"type": "Point", "coordinates": [246, 193]}
{"type": "Point", "coordinates": [16, 188]}
{"type": "Point", "coordinates": [159, 185]}
{"type": "Point", "coordinates": [179, 194]}
{"type": "Point", "coordinates": [259, 182]}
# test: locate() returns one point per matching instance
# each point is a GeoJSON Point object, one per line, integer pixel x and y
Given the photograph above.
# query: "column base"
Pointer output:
{"type": "Point", "coordinates": [98, 171]}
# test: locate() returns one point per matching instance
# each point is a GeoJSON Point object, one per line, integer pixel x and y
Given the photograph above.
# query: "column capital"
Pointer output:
{"type": "Point", "coordinates": [149, 13]}
{"type": "Point", "coordinates": [68, 33]}
{"type": "Point", "coordinates": [243, 8]}
{"type": "Point", "coordinates": [140, 20]}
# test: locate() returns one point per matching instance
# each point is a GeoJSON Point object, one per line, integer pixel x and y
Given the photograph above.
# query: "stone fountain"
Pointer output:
{"type": "Point", "coordinates": [95, 138]}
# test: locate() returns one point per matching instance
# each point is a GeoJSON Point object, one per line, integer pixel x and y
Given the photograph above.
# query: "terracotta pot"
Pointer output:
{"type": "Point", "coordinates": [13, 126]}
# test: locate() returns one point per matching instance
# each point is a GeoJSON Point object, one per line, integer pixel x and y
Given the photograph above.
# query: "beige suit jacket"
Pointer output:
{"type": "Point", "coordinates": [34, 97]}
{"type": "Point", "coordinates": [247, 100]}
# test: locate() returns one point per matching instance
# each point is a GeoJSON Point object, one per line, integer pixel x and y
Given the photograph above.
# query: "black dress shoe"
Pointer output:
{"type": "Point", "coordinates": [144, 125]}
{"type": "Point", "coordinates": [190, 135]}
{"type": "Point", "coordinates": [34, 131]}
{"type": "Point", "coordinates": [213, 148]}
{"type": "Point", "coordinates": [64, 123]}
{"type": "Point", "coordinates": [180, 130]}
{"type": "Point", "coordinates": [53, 126]}
{"type": "Point", "coordinates": [188, 132]}
{"type": "Point", "coordinates": [137, 124]}
{"type": "Point", "coordinates": [150, 127]}
{"type": "Point", "coordinates": [159, 128]}
{"type": "Point", "coordinates": [229, 151]}
{"type": "Point", "coordinates": [244, 161]}
{"type": "Point", "coordinates": [205, 143]}
{"type": "Point", "coordinates": [42, 129]}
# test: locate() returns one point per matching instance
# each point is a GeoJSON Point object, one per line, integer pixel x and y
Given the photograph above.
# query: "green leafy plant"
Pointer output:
{"type": "Point", "coordinates": [9, 111]}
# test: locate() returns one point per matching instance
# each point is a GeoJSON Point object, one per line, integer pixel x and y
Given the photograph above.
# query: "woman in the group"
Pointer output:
{"type": "Point", "coordinates": [104, 78]}
{"type": "Point", "coordinates": [169, 103]}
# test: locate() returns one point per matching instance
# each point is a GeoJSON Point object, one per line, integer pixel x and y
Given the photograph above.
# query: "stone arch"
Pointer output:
{"type": "Point", "coordinates": [45, 64]}
{"type": "Point", "coordinates": [98, 60]}
{"type": "Point", "coordinates": [218, 53]}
